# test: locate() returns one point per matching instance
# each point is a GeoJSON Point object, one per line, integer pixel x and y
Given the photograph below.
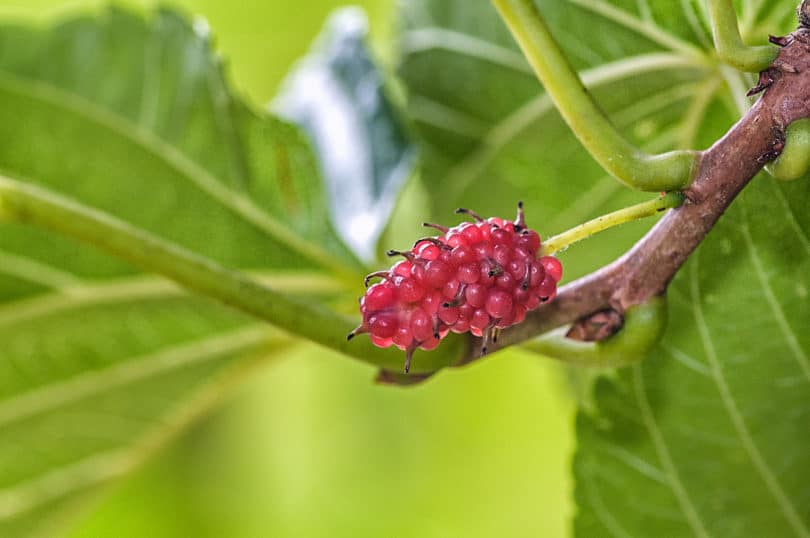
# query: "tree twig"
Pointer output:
{"type": "Point", "coordinates": [722, 172]}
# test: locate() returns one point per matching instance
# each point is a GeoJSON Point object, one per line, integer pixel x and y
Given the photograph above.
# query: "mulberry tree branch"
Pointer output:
{"type": "Point", "coordinates": [636, 278]}
{"type": "Point", "coordinates": [722, 171]}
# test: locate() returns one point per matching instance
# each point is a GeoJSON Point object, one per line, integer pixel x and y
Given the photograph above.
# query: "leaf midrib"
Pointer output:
{"type": "Point", "coordinates": [647, 29]}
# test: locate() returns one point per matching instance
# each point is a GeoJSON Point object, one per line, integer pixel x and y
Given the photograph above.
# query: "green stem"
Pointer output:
{"type": "Point", "coordinates": [636, 169]}
{"type": "Point", "coordinates": [729, 43]}
{"type": "Point", "coordinates": [27, 203]}
{"type": "Point", "coordinates": [794, 161]}
{"type": "Point", "coordinates": [643, 328]}
{"type": "Point", "coordinates": [599, 224]}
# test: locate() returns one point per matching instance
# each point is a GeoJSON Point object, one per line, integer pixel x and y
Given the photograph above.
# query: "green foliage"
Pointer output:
{"type": "Point", "coordinates": [312, 435]}
{"type": "Point", "coordinates": [101, 364]}
{"type": "Point", "coordinates": [490, 137]}
{"type": "Point", "coordinates": [133, 117]}
{"type": "Point", "coordinates": [707, 436]}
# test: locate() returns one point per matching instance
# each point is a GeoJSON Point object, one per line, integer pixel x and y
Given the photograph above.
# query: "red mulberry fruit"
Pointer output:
{"type": "Point", "coordinates": [478, 276]}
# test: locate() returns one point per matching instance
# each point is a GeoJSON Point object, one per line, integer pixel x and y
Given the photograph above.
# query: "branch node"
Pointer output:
{"type": "Point", "coordinates": [596, 327]}
{"type": "Point", "coordinates": [766, 80]}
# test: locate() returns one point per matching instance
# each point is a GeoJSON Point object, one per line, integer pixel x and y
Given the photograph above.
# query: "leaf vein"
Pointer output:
{"type": "Point", "coordinates": [737, 420]}
{"type": "Point", "coordinates": [602, 512]}
{"type": "Point", "coordinates": [636, 463]}
{"type": "Point", "coordinates": [452, 120]}
{"type": "Point", "coordinates": [139, 288]}
{"type": "Point", "coordinates": [433, 38]}
{"type": "Point", "coordinates": [791, 216]}
{"type": "Point", "coordinates": [651, 31]}
{"type": "Point", "coordinates": [126, 371]}
{"type": "Point", "coordinates": [776, 308]}
{"type": "Point", "coordinates": [673, 478]}
{"type": "Point", "coordinates": [31, 270]}
{"type": "Point", "coordinates": [687, 360]}
{"type": "Point", "coordinates": [226, 124]}
{"type": "Point", "coordinates": [694, 23]}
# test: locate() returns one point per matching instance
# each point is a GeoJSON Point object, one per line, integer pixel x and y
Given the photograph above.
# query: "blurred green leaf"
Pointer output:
{"type": "Point", "coordinates": [490, 137]}
{"type": "Point", "coordinates": [312, 435]}
{"type": "Point", "coordinates": [708, 436]}
{"type": "Point", "coordinates": [338, 96]}
{"type": "Point", "coordinates": [99, 364]}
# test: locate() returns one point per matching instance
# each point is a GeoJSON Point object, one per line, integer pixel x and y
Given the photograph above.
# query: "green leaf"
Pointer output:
{"type": "Point", "coordinates": [338, 96]}
{"type": "Point", "coordinates": [145, 109]}
{"type": "Point", "coordinates": [490, 137]}
{"type": "Point", "coordinates": [99, 364]}
{"type": "Point", "coordinates": [708, 436]}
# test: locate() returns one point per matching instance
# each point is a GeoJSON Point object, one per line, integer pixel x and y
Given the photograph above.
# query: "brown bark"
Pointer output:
{"type": "Point", "coordinates": [722, 171]}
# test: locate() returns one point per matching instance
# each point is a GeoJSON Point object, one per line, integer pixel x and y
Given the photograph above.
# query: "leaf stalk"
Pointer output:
{"type": "Point", "coordinates": [665, 172]}
{"type": "Point", "coordinates": [729, 44]}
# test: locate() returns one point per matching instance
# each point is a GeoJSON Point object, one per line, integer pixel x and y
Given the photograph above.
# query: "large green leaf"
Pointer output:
{"type": "Point", "coordinates": [99, 364]}
{"type": "Point", "coordinates": [707, 436]}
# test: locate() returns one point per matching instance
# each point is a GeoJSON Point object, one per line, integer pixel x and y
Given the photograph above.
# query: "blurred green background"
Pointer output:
{"type": "Point", "coordinates": [309, 446]}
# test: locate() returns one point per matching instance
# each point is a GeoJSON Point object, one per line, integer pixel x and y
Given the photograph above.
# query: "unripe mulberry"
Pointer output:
{"type": "Point", "coordinates": [479, 276]}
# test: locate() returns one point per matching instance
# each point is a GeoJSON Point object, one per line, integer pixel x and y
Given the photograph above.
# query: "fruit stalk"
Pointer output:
{"type": "Point", "coordinates": [622, 216]}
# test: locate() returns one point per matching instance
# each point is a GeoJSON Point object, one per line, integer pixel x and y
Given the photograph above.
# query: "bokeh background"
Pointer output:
{"type": "Point", "coordinates": [308, 446]}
